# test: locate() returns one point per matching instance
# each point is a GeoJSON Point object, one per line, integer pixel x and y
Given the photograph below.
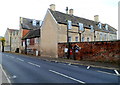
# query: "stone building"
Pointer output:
{"type": "Point", "coordinates": [61, 27]}
{"type": "Point", "coordinates": [32, 39]}
{"type": "Point", "coordinates": [11, 40]}
{"type": "Point", "coordinates": [26, 25]}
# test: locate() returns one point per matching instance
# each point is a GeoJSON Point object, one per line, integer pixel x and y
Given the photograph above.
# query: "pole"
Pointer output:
{"type": "Point", "coordinates": [68, 55]}
{"type": "Point", "coordinates": [10, 42]}
{"type": "Point", "coordinates": [2, 46]}
{"type": "Point", "coordinates": [25, 46]}
{"type": "Point", "coordinates": [94, 35]}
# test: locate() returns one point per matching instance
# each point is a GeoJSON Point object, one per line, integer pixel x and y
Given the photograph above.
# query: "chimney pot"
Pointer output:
{"type": "Point", "coordinates": [52, 7]}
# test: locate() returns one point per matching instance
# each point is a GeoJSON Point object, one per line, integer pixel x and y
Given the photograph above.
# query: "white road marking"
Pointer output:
{"type": "Point", "coordinates": [106, 72]}
{"type": "Point", "coordinates": [5, 74]}
{"type": "Point", "coordinates": [67, 76]}
{"type": "Point", "coordinates": [69, 64]}
{"type": "Point", "coordinates": [12, 57]}
{"type": "Point", "coordinates": [20, 59]}
{"type": "Point", "coordinates": [34, 64]}
{"type": "Point", "coordinates": [116, 72]}
{"type": "Point", "coordinates": [88, 67]}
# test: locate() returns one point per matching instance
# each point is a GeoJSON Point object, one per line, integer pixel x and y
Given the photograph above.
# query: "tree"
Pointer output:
{"type": "Point", "coordinates": [3, 42]}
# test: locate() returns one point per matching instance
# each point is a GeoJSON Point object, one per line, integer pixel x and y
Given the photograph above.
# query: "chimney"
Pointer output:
{"type": "Point", "coordinates": [66, 10]}
{"type": "Point", "coordinates": [71, 11]}
{"type": "Point", "coordinates": [96, 18]}
{"type": "Point", "coordinates": [52, 7]}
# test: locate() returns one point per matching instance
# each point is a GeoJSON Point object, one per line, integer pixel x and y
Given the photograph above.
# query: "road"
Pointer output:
{"type": "Point", "coordinates": [25, 69]}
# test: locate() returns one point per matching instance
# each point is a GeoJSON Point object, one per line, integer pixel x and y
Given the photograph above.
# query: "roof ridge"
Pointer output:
{"type": "Point", "coordinates": [74, 16]}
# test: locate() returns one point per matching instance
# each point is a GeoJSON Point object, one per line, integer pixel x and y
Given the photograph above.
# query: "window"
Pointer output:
{"type": "Point", "coordinates": [111, 38]}
{"type": "Point", "coordinates": [106, 26]}
{"type": "Point", "coordinates": [69, 38]}
{"type": "Point", "coordinates": [34, 22]}
{"type": "Point", "coordinates": [81, 28]}
{"type": "Point", "coordinates": [82, 39]}
{"type": "Point", "coordinates": [23, 44]}
{"type": "Point", "coordinates": [92, 30]}
{"type": "Point", "coordinates": [37, 40]}
{"type": "Point", "coordinates": [105, 37]}
{"type": "Point", "coordinates": [76, 39]}
{"type": "Point", "coordinates": [69, 24]}
{"type": "Point", "coordinates": [40, 23]}
{"type": "Point", "coordinates": [88, 39]}
{"type": "Point", "coordinates": [28, 41]}
{"type": "Point", "coordinates": [100, 37]}
{"type": "Point", "coordinates": [100, 25]}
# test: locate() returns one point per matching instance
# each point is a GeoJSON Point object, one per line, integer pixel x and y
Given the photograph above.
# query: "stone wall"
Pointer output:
{"type": "Point", "coordinates": [106, 51]}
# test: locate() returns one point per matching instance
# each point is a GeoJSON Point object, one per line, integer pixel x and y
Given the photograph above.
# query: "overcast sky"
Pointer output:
{"type": "Point", "coordinates": [11, 10]}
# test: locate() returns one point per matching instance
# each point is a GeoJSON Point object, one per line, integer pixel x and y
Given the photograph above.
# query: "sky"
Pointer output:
{"type": "Point", "coordinates": [12, 10]}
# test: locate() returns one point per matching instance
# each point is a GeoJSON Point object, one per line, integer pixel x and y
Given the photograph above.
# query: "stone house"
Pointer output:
{"type": "Point", "coordinates": [61, 27]}
{"type": "Point", "coordinates": [26, 25]}
{"type": "Point", "coordinates": [32, 40]}
{"type": "Point", "coordinates": [11, 40]}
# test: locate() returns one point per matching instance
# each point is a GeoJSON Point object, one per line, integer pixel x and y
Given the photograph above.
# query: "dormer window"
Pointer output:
{"type": "Point", "coordinates": [69, 24]}
{"type": "Point", "coordinates": [34, 22]}
{"type": "Point", "coordinates": [100, 25]}
{"type": "Point", "coordinates": [40, 23]}
{"type": "Point", "coordinates": [92, 29]}
{"type": "Point", "coordinates": [106, 27]}
{"type": "Point", "coordinates": [81, 28]}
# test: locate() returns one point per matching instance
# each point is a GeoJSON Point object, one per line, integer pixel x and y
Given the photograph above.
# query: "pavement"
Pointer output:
{"type": "Point", "coordinates": [30, 69]}
{"type": "Point", "coordinates": [3, 76]}
{"type": "Point", "coordinates": [105, 65]}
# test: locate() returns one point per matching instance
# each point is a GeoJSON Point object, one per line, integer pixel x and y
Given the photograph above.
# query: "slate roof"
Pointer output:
{"type": "Point", "coordinates": [62, 18]}
{"type": "Point", "coordinates": [27, 23]}
{"type": "Point", "coordinates": [32, 34]}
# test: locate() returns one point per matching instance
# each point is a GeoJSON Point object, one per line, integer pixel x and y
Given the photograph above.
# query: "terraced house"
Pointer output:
{"type": "Point", "coordinates": [55, 25]}
{"type": "Point", "coordinates": [29, 34]}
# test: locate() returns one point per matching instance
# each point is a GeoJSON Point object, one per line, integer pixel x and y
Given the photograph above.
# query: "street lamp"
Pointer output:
{"type": "Point", "coordinates": [69, 25]}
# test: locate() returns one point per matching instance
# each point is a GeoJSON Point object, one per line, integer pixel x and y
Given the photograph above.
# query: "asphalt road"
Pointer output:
{"type": "Point", "coordinates": [25, 69]}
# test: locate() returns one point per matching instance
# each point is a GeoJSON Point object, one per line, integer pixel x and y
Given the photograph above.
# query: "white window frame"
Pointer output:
{"type": "Point", "coordinates": [83, 39]}
{"type": "Point", "coordinates": [34, 22]}
{"type": "Point", "coordinates": [100, 25]}
{"type": "Point", "coordinates": [40, 23]}
{"type": "Point", "coordinates": [23, 43]}
{"type": "Point", "coordinates": [28, 41]}
{"type": "Point", "coordinates": [106, 26]}
{"type": "Point", "coordinates": [105, 37]}
{"type": "Point", "coordinates": [81, 28]}
{"type": "Point", "coordinates": [69, 24]}
{"type": "Point", "coordinates": [100, 37]}
{"type": "Point", "coordinates": [92, 29]}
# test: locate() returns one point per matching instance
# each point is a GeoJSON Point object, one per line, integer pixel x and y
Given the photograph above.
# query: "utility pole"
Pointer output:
{"type": "Point", "coordinates": [68, 41]}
